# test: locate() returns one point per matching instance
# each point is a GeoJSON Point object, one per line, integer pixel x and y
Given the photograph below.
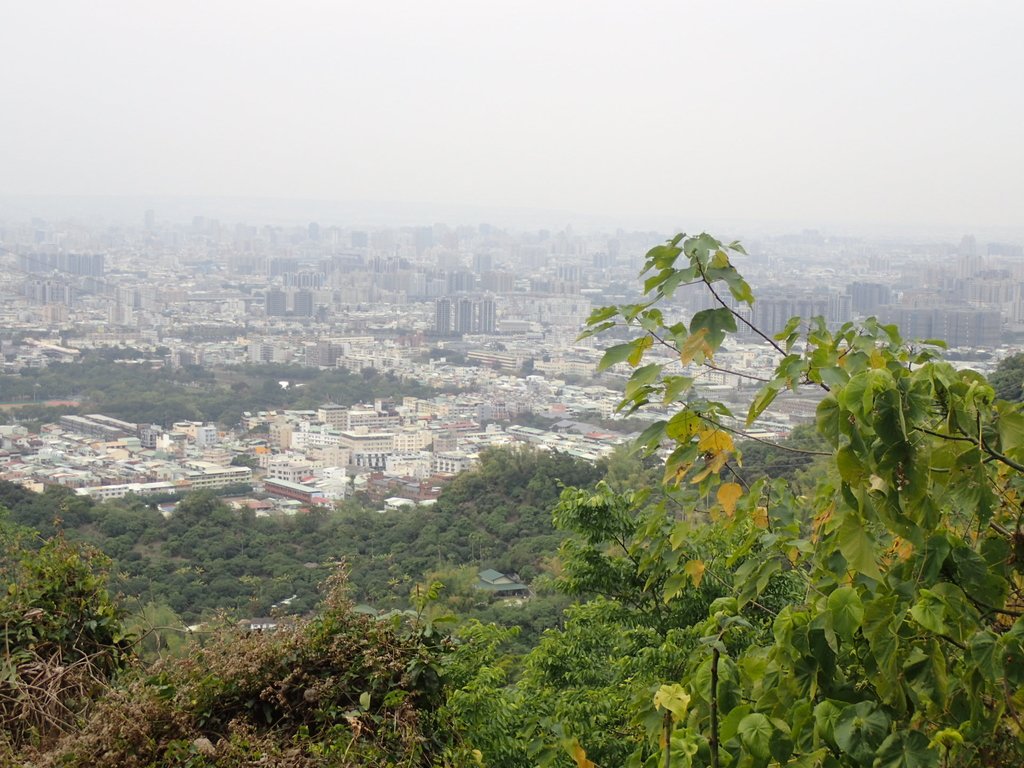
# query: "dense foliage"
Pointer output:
{"type": "Point", "coordinates": [339, 690]}
{"type": "Point", "coordinates": [862, 608]}
{"type": "Point", "coordinates": [62, 635]}
{"type": "Point", "coordinates": [1008, 378]}
{"type": "Point", "coordinates": [903, 645]}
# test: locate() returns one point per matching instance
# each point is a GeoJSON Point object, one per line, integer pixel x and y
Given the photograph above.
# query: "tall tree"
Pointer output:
{"type": "Point", "coordinates": [903, 646]}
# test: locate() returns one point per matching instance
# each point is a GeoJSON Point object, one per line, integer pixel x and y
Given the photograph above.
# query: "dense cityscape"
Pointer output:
{"type": "Point", "coordinates": [486, 317]}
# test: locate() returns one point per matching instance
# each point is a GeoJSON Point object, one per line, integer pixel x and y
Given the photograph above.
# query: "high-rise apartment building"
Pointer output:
{"type": "Point", "coordinates": [49, 292]}
{"type": "Point", "coordinates": [483, 262]}
{"type": "Point", "coordinates": [277, 303]}
{"type": "Point", "coordinates": [443, 316]}
{"type": "Point", "coordinates": [464, 316]}
{"type": "Point", "coordinates": [486, 316]}
{"type": "Point", "coordinates": [302, 304]}
{"type": "Point", "coordinates": [866, 298]}
{"type": "Point", "coordinates": [82, 264]}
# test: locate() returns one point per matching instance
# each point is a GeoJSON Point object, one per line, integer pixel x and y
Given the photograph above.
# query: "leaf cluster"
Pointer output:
{"type": "Point", "coordinates": [898, 647]}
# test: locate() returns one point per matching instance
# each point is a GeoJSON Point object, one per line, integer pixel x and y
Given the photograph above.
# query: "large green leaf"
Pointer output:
{"type": "Point", "coordinates": [601, 314]}
{"type": "Point", "coordinates": [675, 386]}
{"type": "Point", "coordinates": [858, 547]}
{"type": "Point", "coordinates": [683, 425]}
{"type": "Point", "coordinates": [674, 586]}
{"type": "Point", "coordinates": [906, 749]}
{"type": "Point", "coordinates": [860, 729]}
{"type": "Point", "coordinates": [651, 437]}
{"type": "Point", "coordinates": [616, 354]}
{"type": "Point", "coordinates": [828, 419]}
{"type": "Point", "coordinates": [882, 619]}
{"type": "Point", "coordinates": [888, 417]}
{"type": "Point", "coordinates": [850, 467]}
{"type": "Point", "coordinates": [929, 611]}
{"type": "Point", "coordinates": [984, 651]}
{"type": "Point", "coordinates": [847, 611]}
{"type": "Point", "coordinates": [1011, 431]}
{"type": "Point", "coordinates": [730, 723]}
{"type": "Point", "coordinates": [755, 734]}
{"type": "Point", "coordinates": [763, 399]}
{"type": "Point", "coordinates": [826, 713]}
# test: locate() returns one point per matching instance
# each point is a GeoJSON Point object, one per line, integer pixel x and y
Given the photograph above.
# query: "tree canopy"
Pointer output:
{"type": "Point", "coordinates": [902, 646]}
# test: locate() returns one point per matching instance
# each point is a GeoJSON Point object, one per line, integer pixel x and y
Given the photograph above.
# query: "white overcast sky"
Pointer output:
{"type": "Point", "coordinates": [902, 111]}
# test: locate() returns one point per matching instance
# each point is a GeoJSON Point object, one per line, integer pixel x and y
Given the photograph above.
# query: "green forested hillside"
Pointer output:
{"type": "Point", "coordinates": [207, 556]}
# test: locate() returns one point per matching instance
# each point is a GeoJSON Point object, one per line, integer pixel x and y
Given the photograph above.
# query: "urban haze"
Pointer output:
{"type": "Point", "coordinates": [294, 290]}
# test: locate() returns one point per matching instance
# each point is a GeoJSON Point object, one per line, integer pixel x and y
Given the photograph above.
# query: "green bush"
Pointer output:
{"type": "Point", "coordinates": [62, 634]}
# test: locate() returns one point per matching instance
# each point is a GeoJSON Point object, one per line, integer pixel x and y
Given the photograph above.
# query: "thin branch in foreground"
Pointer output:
{"type": "Point", "coordinates": [775, 345]}
{"type": "Point", "coordinates": [747, 436]}
{"type": "Point", "coordinates": [750, 376]}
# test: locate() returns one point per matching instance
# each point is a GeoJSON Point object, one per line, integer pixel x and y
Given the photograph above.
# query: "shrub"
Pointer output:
{"type": "Point", "coordinates": [62, 635]}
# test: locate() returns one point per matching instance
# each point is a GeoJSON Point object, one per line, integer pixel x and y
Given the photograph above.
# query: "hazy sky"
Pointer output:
{"type": "Point", "coordinates": [901, 111]}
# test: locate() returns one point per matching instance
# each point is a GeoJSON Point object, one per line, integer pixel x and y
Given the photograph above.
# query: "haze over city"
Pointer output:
{"type": "Point", "coordinates": [873, 115]}
{"type": "Point", "coordinates": [444, 384]}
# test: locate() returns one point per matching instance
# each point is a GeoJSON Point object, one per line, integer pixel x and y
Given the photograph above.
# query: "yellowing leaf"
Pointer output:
{"type": "Point", "coordinates": [947, 738]}
{"type": "Point", "coordinates": [695, 570]}
{"type": "Point", "coordinates": [680, 532]}
{"type": "Point", "coordinates": [695, 344]}
{"type": "Point", "coordinates": [820, 520]}
{"type": "Point", "coordinates": [712, 464]}
{"type": "Point", "coordinates": [718, 461]}
{"type": "Point", "coordinates": [714, 441]}
{"type": "Point", "coordinates": [902, 548]}
{"type": "Point", "coordinates": [728, 495]}
{"type": "Point", "coordinates": [761, 517]}
{"type": "Point", "coordinates": [675, 477]}
{"type": "Point", "coordinates": [701, 475]}
{"type": "Point", "coordinates": [673, 698]}
{"type": "Point", "coordinates": [683, 425]}
{"type": "Point", "coordinates": [640, 346]}
{"type": "Point", "coordinates": [578, 754]}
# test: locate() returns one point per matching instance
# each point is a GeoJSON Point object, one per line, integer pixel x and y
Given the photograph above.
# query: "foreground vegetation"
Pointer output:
{"type": "Point", "coordinates": [341, 689]}
{"type": "Point", "coordinates": [859, 607]}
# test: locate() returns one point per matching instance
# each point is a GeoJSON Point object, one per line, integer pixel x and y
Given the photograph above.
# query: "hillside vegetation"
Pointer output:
{"type": "Point", "coordinates": [207, 556]}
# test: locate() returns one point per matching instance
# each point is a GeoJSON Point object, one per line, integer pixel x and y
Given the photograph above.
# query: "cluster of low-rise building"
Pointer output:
{"type": "Point", "coordinates": [394, 451]}
{"type": "Point", "coordinates": [104, 457]}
